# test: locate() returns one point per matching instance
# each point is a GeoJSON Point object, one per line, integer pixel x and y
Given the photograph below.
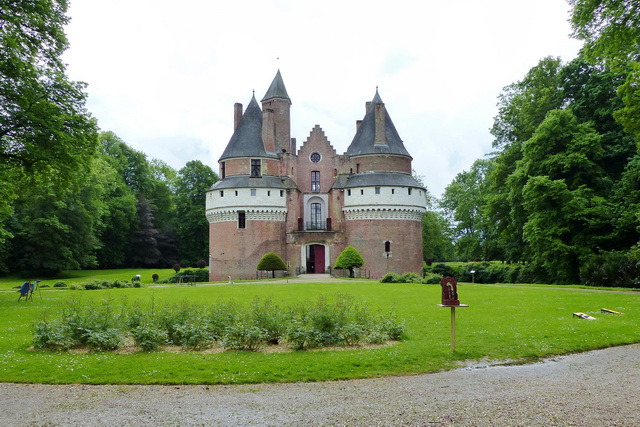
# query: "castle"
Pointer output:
{"type": "Point", "coordinates": [308, 204]}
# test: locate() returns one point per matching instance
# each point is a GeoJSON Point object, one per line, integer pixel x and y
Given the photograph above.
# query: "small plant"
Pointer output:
{"type": "Point", "coordinates": [176, 268]}
{"type": "Point", "coordinates": [389, 278]}
{"type": "Point", "coordinates": [52, 336]}
{"type": "Point", "coordinates": [60, 284]}
{"type": "Point", "coordinates": [108, 339]}
{"type": "Point", "coordinates": [155, 277]}
{"type": "Point", "coordinates": [409, 278]}
{"type": "Point", "coordinates": [148, 337]}
{"type": "Point", "coordinates": [201, 263]}
{"type": "Point", "coordinates": [243, 337]}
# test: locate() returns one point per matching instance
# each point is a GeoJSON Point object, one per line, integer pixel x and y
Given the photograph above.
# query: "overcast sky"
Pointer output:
{"type": "Point", "coordinates": [164, 75]}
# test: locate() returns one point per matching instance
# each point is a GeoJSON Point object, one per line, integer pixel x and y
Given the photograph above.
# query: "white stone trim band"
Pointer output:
{"type": "Point", "coordinates": [218, 215]}
{"type": "Point", "coordinates": [407, 214]}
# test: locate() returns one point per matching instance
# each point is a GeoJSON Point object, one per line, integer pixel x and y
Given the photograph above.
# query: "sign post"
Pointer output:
{"type": "Point", "coordinates": [450, 299]}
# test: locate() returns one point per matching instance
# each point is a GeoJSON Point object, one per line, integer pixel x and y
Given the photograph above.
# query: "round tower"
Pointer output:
{"type": "Point", "coordinates": [247, 208]}
{"type": "Point", "coordinates": [383, 204]}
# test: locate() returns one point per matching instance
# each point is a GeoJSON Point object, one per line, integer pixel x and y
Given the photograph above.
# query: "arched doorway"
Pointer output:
{"type": "Point", "coordinates": [315, 258]}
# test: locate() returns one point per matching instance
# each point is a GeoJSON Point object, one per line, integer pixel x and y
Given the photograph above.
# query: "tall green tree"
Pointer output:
{"type": "Point", "coordinates": [192, 228]}
{"type": "Point", "coordinates": [45, 129]}
{"type": "Point", "coordinates": [349, 259]}
{"type": "Point", "coordinates": [463, 202]}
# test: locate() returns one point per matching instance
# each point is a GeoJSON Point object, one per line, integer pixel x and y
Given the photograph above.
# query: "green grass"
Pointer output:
{"type": "Point", "coordinates": [503, 324]}
{"type": "Point", "coordinates": [82, 276]}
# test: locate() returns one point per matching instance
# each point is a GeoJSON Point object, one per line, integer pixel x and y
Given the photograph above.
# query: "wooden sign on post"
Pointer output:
{"type": "Point", "coordinates": [450, 299]}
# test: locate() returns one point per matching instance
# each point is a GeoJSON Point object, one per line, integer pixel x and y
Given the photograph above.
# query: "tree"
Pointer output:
{"type": "Point", "coordinates": [610, 29]}
{"type": "Point", "coordinates": [349, 259]}
{"type": "Point", "coordinates": [192, 228]}
{"type": "Point", "coordinates": [44, 127]}
{"type": "Point", "coordinates": [271, 262]}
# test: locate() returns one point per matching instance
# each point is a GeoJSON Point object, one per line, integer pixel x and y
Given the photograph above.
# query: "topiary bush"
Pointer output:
{"type": "Point", "coordinates": [60, 284]}
{"type": "Point", "coordinates": [389, 278]}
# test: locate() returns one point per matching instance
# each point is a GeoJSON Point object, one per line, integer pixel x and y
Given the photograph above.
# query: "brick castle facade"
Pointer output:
{"type": "Point", "coordinates": [308, 204]}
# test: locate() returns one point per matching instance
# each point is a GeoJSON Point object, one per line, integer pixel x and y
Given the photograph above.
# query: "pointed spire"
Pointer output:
{"type": "Point", "coordinates": [376, 133]}
{"type": "Point", "coordinates": [247, 137]}
{"type": "Point", "coordinates": [277, 89]}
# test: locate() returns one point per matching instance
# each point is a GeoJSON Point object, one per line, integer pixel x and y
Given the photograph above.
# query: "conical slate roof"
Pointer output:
{"type": "Point", "coordinates": [277, 89]}
{"type": "Point", "coordinates": [246, 140]}
{"type": "Point", "coordinates": [364, 141]}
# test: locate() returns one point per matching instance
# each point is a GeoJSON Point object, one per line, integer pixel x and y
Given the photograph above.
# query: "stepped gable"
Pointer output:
{"type": "Point", "coordinates": [377, 134]}
{"type": "Point", "coordinates": [277, 89]}
{"type": "Point", "coordinates": [246, 140]}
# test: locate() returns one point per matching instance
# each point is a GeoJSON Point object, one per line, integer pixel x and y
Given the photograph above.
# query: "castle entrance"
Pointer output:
{"type": "Point", "coordinates": [315, 259]}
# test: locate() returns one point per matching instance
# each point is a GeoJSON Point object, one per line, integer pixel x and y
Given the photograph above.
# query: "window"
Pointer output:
{"type": "Point", "coordinates": [377, 190]}
{"type": "Point", "coordinates": [255, 168]}
{"type": "Point", "coordinates": [409, 191]}
{"type": "Point", "coordinates": [221, 193]}
{"type": "Point", "coordinates": [393, 191]}
{"type": "Point", "coordinates": [315, 157]}
{"type": "Point", "coordinates": [316, 216]}
{"type": "Point", "coordinates": [223, 169]}
{"type": "Point", "coordinates": [348, 192]}
{"type": "Point", "coordinates": [236, 192]}
{"type": "Point", "coordinates": [242, 219]}
{"type": "Point", "coordinates": [315, 181]}
{"type": "Point", "coordinates": [253, 191]}
{"type": "Point", "coordinates": [387, 246]}
{"type": "Point", "coordinates": [361, 192]}
{"type": "Point", "coordinates": [281, 193]}
{"type": "Point", "coordinates": [268, 193]}
{"type": "Point", "coordinates": [357, 167]}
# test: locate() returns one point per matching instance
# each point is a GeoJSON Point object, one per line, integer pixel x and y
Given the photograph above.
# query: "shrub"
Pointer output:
{"type": "Point", "coordinates": [44, 286]}
{"type": "Point", "coordinates": [389, 278]}
{"type": "Point", "coordinates": [193, 336]}
{"type": "Point", "coordinates": [148, 337]}
{"type": "Point", "coordinates": [615, 269]}
{"type": "Point", "coordinates": [176, 268]}
{"type": "Point", "coordinates": [243, 337]}
{"type": "Point", "coordinates": [270, 318]}
{"type": "Point", "coordinates": [271, 262]}
{"type": "Point", "coordinates": [91, 286]}
{"type": "Point", "coordinates": [351, 333]}
{"type": "Point", "coordinates": [349, 259]}
{"type": "Point", "coordinates": [60, 284]}
{"type": "Point", "coordinates": [443, 270]}
{"type": "Point", "coordinates": [409, 278]}
{"type": "Point", "coordinates": [201, 263]}
{"type": "Point", "coordinates": [108, 339]}
{"type": "Point", "coordinates": [155, 277]}
{"type": "Point", "coordinates": [431, 279]}
{"type": "Point", "coordinates": [52, 336]}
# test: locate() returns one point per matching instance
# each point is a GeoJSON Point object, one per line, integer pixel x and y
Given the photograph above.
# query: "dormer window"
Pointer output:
{"type": "Point", "coordinates": [255, 168]}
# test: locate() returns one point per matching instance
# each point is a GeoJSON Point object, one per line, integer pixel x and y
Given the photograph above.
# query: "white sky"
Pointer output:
{"type": "Point", "coordinates": [164, 75]}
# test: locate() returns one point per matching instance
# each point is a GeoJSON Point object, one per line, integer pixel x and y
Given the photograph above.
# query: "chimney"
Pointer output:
{"type": "Point", "coordinates": [237, 114]}
{"type": "Point", "coordinates": [293, 146]}
{"type": "Point", "coordinates": [367, 106]}
{"type": "Point", "coordinates": [358, 124]}
{"type": "Point", "coordinates": [268, 131]}
{"type": "Point", "coordinates": [381, 134]}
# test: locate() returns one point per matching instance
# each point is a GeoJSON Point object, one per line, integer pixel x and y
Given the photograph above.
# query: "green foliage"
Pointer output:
{"type": "Point", "coordinates": [610, 29]}
{"type": "Point", "coordinates": [243, 337]}
{"type": "Point", "coordinates": [389, 278]}
{"type": "Point", "coordinates": [349, 259]}
{"type": "Point", "coordinates": [611, 269]}
{"type": "Point", "coordinates": [52, 336]}
{"type": "Point", "coordinates": [271, 262]}
{"type": "Point", "coordinates": [192, 183]}
{"type": "Point", "coordinates": [148, 337]}
{"type": "Point", "coordinates": [60, 284]}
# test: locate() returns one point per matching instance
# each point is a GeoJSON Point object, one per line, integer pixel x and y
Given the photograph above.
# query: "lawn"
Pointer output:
{"type": "Point", "coordinates": [82, 276]}
{"type": "Point", "coordinates": [503, 324]}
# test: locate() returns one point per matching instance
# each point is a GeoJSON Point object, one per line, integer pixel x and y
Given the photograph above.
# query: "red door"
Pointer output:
{"type": "Point", "coordinates": [319, 259]}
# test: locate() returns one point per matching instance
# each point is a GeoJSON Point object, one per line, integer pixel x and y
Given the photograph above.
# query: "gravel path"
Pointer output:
{"type": "Point", "coordinates": [597, 388]}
